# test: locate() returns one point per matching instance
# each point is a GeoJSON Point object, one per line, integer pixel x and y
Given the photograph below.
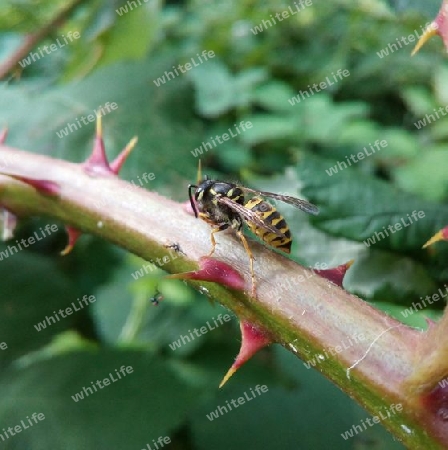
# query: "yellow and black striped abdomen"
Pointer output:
{"type": "Point", "coordinates": [271, 216]}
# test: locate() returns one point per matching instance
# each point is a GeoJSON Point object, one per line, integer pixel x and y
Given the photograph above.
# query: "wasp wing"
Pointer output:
{"type": "Point", "coordinates": [248, 215]}
{"type": "Point", "coordinates": [297, 202]}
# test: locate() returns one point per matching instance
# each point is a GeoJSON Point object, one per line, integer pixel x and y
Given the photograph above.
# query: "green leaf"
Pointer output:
{"type": "Point", "coordinates": [440, 87]}
{"type": "Point", "coordinates": [269, 127]}
{"type": "Point", "coordinates": [274, 96]}
{"type": "Point", "coordinates": [419, 100]}
{"type": "Point", "coordinates": [36, 287]}
{"type": "Point", "coordinates": [356, 206]}
{"type": "Point", "coordinates": [245, 84]}
{"type": "Point", "coordinates": [426, 174]}
{"type": "Point", "coordinates": [214, 87]}
{"type": "Point", "coordinates": [322, 119]}
{"type": "Point", "coordinates": [149, 387]}
{"type": "Point", "coordinates": [386, 276]}
{"type": "Point", "coordinates": [277, 409]}
{"type": "Point", "coordinates": [140, 26]}
{"type": "Point", "coordinates": [162, 118]}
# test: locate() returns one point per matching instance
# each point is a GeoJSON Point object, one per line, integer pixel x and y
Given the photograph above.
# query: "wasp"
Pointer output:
{"type": "Point", "coordinates": [224, 205]}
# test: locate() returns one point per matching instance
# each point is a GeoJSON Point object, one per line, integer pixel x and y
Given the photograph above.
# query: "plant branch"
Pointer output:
{"type": "Point", "coordinates": [31, 40]}
{"type": "Point", "coordinates": [309, 318]}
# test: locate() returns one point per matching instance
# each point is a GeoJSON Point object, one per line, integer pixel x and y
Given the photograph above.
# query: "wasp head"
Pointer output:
{"type": "Point", "coordinates": [202, 190]}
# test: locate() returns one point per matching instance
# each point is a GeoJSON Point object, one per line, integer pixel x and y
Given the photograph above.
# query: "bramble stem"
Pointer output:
{"type": "Point", "coordinates": [308, 317]}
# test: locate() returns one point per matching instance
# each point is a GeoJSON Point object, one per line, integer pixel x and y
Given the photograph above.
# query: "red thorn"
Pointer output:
{"type": "Point", "coordinates": [97, 163]}
{"type": "Point", "coordinates": [118, 162]}
{"type": "Point", "coordinates": [441, 235]}
{"type": "Point", "coordinates": [254, 339]}
{"type": "Point", "coordinates": [437, 401]}
{"type": "Point", "coordinates": [429, 32]}
{"type": "Point", "coordinates": [9, 221]}
{"type": "Point", "coordinates": [431, 323]}
{"type": "Point", "coordinates": [438, 26]}
{"type": "Point", "coordinates": [46, 187]}
{"type": "Point", "coordinates": [445, 233]}
{"type": "Point", "coordinates": [3, 135]}
{"type": "Point", "coordinates": [211, 269]}
{"type": "Point", "coordinates": [336, 274]}
{"type": "Point", "coordinates": [73, 235]}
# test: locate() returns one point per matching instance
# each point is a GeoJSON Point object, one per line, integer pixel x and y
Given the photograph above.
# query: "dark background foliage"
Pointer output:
{"type": "Point", "coordinates": [288, 150]}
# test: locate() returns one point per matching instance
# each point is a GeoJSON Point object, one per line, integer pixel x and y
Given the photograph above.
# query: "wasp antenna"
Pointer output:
{"type": "Point", "coordinates": [199, 172]}
{"type": "Point", "coordinates": [193, 206]}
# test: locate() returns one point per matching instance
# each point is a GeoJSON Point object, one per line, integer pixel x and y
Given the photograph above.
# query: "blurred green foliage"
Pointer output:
{"type": "Point", "coordinates": [288, 149]}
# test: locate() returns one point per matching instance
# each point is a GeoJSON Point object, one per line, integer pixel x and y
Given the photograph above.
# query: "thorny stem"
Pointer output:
{"type": "Point", "coordinates": [308, 319]}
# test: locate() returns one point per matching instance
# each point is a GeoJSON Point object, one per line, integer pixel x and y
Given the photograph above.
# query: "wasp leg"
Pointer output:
{"type": "Point", "coordinates": [251, 260]}
{"type": "Point", "coordinates": [212, 237]}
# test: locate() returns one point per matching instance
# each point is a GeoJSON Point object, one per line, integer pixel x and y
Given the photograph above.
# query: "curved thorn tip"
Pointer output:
{"type": "Point", "coordinates": [428, 34]}
{"type": "Point", "coordinates": [229, 373]}
{"type": "Point", "coordinates": [436, 238]}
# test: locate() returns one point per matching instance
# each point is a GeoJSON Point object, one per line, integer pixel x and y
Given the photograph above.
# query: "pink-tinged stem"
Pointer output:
{"type": "Point", "coordinates": [372, 355]}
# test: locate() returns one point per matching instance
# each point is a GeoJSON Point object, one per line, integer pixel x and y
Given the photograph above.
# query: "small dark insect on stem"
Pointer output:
{"type": "Point", "coordinates": [155, 300]}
